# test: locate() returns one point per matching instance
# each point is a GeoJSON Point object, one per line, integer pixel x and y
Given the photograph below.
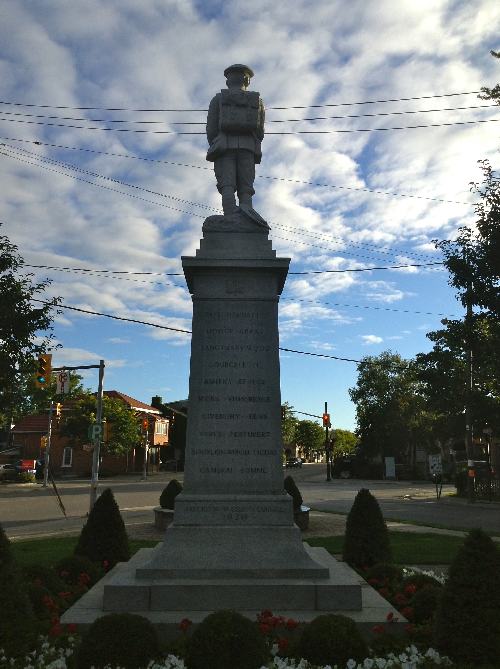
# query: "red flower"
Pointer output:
{"type": "Point", "coordinates": [373, 581]}
{"type": "Point", "coordinates": [282, 644]}
{"type": "Point", "coordinates": [407, 612]}
{"type": "Point", "coordinates": [389, 616]}
{"type": "Point", "coordinates": [384, 592]}
{"type": "Point", "coordinates": [185, 624]}
{"type": "Point", "coordinates": [83, 578]}
{"type": "Point", "coordinates": [64, 595]}
{"type": "Point", "coordinates": [291, 624]}
{"type": "Point", "coordinates": [71, 628]}
{"type": "Point", "coordinates": [105, 564]}
{"type": "Point", "coordinates": [265, 628]}
{"type": "Point", "coordinates": [378, 629]}
{"type": "Point", "coordinates": [409, 628]}
{"type": "Point", "coordinates": [400, 599]}
{"type": "Point", "coordinates": [266, 613]}
{"type": "Point", "coordinates": [410, 589]}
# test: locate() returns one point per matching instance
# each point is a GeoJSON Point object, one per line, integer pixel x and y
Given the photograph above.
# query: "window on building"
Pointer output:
{"type": "Point", "coordinates": [67, 460]}
{"type": "Point", "coordinates": [161, 427]}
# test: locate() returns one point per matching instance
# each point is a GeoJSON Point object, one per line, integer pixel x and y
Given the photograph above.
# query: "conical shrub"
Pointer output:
{"type": "Point", "coordinates": [169, 493]}
{"type": "Point", "coordinates": [366, 537]}
{"type": "Point", "coordinates": [103, 538]}
{"type": "Point", "coordinates": [292, 489]}
{"type": "Point", "coordinates": [467, 622]}
{"type": "Point", "coordinates": [17, 620]}
{"type": "Point", "coordinates": [5, 551]}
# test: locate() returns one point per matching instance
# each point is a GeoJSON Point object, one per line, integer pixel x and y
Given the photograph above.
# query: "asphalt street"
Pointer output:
{"type": "Point", "coordinates": [31, 510]}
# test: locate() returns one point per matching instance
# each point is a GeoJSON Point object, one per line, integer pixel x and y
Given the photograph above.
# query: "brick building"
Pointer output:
{"type": "Point", "coordinates": [68, 459]}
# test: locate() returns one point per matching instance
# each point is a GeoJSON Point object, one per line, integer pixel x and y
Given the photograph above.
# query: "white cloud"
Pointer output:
{"type": "Point", "coordinates": [371, 339]}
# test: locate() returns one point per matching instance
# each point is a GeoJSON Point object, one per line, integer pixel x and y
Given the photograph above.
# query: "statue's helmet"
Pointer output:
{"type": "Point", "coordinates": [244, 69]}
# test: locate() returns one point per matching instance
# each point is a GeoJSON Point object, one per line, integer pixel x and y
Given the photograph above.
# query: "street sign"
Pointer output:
{"type": "Point", "coordinates": [62, 383]}
{"type": "Point", "coordinates": [88, 447]}
{"type": "Point", "coordinates": [435, 464]}
{"type": "Point", "coordinates": [94, 431]}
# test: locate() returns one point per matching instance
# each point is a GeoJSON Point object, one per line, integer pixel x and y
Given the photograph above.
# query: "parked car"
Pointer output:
{"type": "Point", "coordinates": [293, 462]}
{"type": "Point", "coordinates": [5, 470]}
{"type": "Point", "coordinates": [26, 466]}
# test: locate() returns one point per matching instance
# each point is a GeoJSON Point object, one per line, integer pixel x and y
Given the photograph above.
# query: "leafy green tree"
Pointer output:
{"type": "Point", "coordinates": [310, 437]}
{"type": "Point", "coordinates": [122, 423]}
{"type": "Point", "coordinates": [21, 323]}
{"type": "Point", "coordinates": [288, 424]}
{"type": "Point", "coordinates": [390, 406]}
{"type": "Point", "coordinates": [344, 441]}
{"type": "Point", "coordinates": [491, 93]}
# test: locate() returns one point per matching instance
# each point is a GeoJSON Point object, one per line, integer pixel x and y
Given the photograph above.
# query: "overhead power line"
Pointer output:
{"type": "Point", "coordinates": [336, 104]}
{"type": "Point", "coordinates": [288, 132]}
{"type": "Point", "coordinates": [166, 327]}
{"type": "Point", "coordinates": [122, 183]}
{"type": "Point", "coordinates": [364, 269]}
{"type": "Point", "coordinates": [259, 176]}
{"type": "Point", "coordinates": [112, 274]}
{"type": "Point", "coordinates": [287, 120]}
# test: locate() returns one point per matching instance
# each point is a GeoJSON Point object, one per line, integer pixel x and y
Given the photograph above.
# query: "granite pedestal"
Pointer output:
{"type": "Point", "coordinates": [233, 542]}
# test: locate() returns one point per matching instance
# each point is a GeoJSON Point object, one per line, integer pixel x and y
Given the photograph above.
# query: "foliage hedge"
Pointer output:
{"type": "Point", "coordinates": [78, 570]}
{"type": "Point", "coordinates": [119, 639]}
{"type": "Point", "coordinates": [366, 540]}
{"type": "Point", "coordinates": [332, 640]}
{"type": "Point", "coordinates": [103, 538]}
{"type": "Point", "coordinates": [467, 623]}
{"type": "Point", "coordinates": [225, 640]}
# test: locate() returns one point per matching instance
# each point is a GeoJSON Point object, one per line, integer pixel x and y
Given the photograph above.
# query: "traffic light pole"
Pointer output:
{"type": "Point", "coordinates": [47, 448]}
{"type": "Point", "coordinates": [94, 483]}
{"type": "Point", "coordinates": [327, 448]}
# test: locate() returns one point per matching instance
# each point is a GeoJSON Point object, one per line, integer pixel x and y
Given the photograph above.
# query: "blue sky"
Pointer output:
{"type": "Point", "coordinates": [166, 54]}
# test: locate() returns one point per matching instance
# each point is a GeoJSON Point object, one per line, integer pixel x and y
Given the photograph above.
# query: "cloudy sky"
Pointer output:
{"type": "Point", "coordinates": [78, 85]}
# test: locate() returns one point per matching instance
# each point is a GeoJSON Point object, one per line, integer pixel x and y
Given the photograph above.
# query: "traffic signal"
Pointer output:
{"type": "Point", "coordinates": [43, 442]}
{"type": "Point", "coordinates": [44, 370]}
{"type": "Point", "coordinates": [326, 420]}
{"type": "Point", "coordinates": [58, 411]}
{"type": "Point", "coordinates": [145, 424]}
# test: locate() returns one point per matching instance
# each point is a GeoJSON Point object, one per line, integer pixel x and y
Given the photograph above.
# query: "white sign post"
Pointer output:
{"type": "Point", "coordinates": [62, 383]}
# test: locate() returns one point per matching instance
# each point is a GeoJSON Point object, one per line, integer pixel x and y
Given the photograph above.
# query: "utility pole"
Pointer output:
{"type": "Point", "coordinates": [326, 425]}
{"type": "Point", "coordinates": [468, 396]}
{"type": "Point", "coordinates": [47, 448]}
{"type": "Point", "coordinates": [146, 451]}
{"type": "Point", "coordinates": [97, 439]}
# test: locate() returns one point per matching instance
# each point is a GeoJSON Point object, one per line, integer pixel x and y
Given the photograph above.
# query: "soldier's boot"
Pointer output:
{"type": "Point", "coordinates": [245, 199]}
{"type": "Point", "coordinates": [228, 201]}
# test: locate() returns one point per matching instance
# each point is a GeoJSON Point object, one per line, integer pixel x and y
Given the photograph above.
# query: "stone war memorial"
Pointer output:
{"type": "Point", "coordinates": [233, 543]}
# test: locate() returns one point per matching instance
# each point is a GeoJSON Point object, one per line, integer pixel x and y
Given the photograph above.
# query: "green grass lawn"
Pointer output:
{"type": "Point", "coordinates": [407, 547]}
{"type": "Point", "coordinates": [47, 552]}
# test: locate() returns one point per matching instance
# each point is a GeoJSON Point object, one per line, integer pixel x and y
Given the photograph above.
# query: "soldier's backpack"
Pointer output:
{"type": "Point", "coordinates": [240, 112]}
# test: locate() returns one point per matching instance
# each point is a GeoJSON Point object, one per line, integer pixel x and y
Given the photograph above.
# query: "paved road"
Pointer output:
{"type": "Point", "coordinates": [32, 510]}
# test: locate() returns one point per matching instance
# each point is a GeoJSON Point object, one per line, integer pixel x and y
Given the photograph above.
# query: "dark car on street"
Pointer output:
{"type": "Point", "coordinates": [293, 462]}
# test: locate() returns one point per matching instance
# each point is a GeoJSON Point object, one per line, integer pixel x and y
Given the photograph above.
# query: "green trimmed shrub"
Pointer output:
{"type": "Point", "coordinates": [467, 621]}
{"type": "Point", "coordinates": [103, 538]}
{"type": "Point", "coordinates": [119, 639]}
{"type": "Point", "coordinates": [366, 540]}
{"type": "Point", "coordinates": [18, 625]}
{"type": "Point", "coordinates": [70, 569]}
{"type": "Point", "coordinates": [421, 581]}
{"type": "Point", "coordinates": [226, 640]}
{"type": "Point", "coordinates": [332, 639]}
{"type": "Point", "coordinates": [170, 492]}
{"type": "Point", "coordinates": [425, 602]}
{"type": "Point", "coordinates": [5, 550]}
{"type": "Point", "coordinates": [294, 492]}
{"type": "Point", "coordinates": [25, 477]}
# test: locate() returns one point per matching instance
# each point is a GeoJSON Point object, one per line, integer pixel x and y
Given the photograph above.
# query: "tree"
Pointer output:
{"type": "Point", "coordinates": [20, 326]}
{"type": "Point", "coordinates": [390, 406]}
{"type": "Point", "coordinates": [122, 423]}
{"type": "Point", "coordinates": [288, 424]}
{"type": "Point", "coordinates": [344, 441]}
{"type": "Point", "coordinates": [310, 437]}
{"type": "Point", "coordinates": [492, 93]}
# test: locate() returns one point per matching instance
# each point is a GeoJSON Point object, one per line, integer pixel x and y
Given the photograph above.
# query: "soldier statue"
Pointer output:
{"type": "Point", "coordinates": [235, 130]}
